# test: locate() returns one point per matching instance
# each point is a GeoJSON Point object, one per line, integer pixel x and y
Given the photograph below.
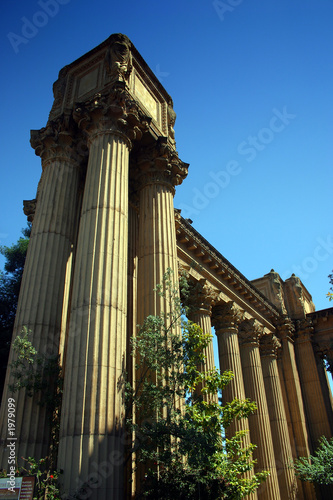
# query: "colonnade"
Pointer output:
{"type": "Point", "coordinates": [103, 236]}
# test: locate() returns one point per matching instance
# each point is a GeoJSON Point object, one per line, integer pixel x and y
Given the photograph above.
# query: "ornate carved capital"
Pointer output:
{"type": "Point", "coordinates": [226, 316]}
{"type": "Point", "coordinates": [113, 111]}
{"type": "Point", "coordinates": [201, 297]}
{"type": "Point", "coordinates": [285, 329]}
{"type": "Point", "coordinates": [304, 330]}
{"type": "Point", "coordinates": [159, 163]}
{"type": "Point", "coordinates": [250, 331]}
{"type": "Point", "coordinates": [269, 345]}
{"type": "Point", "coordinates": [58, 141]}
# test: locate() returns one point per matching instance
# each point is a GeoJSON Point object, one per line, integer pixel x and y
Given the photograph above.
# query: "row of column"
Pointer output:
{"type": "Point", "coordinates": [252, 356]}
{"type": "Point", "coordinates": [74, 291]}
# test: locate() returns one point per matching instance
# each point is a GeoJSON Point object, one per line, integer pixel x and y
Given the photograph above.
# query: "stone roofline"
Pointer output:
{"type": "Point", "coordinates": [219, 265]}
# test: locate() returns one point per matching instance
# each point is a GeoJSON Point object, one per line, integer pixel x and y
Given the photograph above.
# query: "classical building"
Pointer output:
{"type": "Point", "coordinates": [104, 232]}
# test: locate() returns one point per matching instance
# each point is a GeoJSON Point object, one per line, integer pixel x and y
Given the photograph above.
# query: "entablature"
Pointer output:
{"type": "Point", "coordinates": [202, 260]}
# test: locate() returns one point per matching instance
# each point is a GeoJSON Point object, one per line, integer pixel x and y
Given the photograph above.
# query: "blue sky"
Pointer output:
{"type": "Point", "coordinates": [252, 88]}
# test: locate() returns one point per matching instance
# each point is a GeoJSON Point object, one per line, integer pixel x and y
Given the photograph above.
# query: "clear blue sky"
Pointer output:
{"type": "Point", "coordinates": [252, 89]}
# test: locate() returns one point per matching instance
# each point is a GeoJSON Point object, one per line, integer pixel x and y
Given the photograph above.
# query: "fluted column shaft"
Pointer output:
{"type": "Point", "coordinates": [200, 302]}
{"type": "Point", "coordinates": [285, 332]}
{"type": "Point", "coordinates": [225, 320]}
{"type": "Point", "coordinates": [269, 345]}
{"type": "Point", "coordinates": [43, 295]}
{"type": "Point", "coordinates": [260, 428]}
{"type": "Point", "coordinates": [92, 412]}
{"type": "Point", "coordinates": [158, 170]}
{"type": "Point", "coordinates": [318, 420]}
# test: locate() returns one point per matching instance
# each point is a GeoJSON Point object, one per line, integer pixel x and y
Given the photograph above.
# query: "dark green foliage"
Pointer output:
{"type": "Point", "coordinates": [178, 434]}
{"type": "Point", "coordinates": [10, 282]}
{"type": "Point", "coordinates": [319, 467]}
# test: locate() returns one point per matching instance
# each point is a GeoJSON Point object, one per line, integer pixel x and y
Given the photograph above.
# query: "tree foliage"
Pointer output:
{"type": "Point", "coordinates": [317, 468]}
{"type": "Point", "coordinates": [10, 282]}
{"type": "Point", "coordinates": [178, 434]}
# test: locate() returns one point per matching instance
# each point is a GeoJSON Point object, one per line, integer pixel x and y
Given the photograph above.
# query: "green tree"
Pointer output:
{"type": "Point", "coordinates": [10, 282]}
{"type": "Point", "coordinates": [317, 468]}
{"type": "Point", "coordinates": [178, 435]}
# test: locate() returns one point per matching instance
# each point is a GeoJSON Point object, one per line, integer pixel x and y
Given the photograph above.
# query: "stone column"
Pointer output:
{"type": "Point", "coordinates": [91, 448]}
{"type": "Point", "coordinates": [159, 170]}
{"type": "Point", "coordinates": [201, 299]}
{"type": "Point", "coordinates": [269, 345]}
{"type": "Point", "coordinates": [250, 332]}
{"type": "Point", "coordinates": [285, 332]}
{"type": "Point", "coordinates": [225, 320]}
{"type": "Point", "coordinates": [318, 421]}
{"type": "Point", "coordinates": [43, 296]}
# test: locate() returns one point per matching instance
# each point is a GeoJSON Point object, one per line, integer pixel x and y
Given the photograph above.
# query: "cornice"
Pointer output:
{"type": "Point", "coordinates": [204, 253]}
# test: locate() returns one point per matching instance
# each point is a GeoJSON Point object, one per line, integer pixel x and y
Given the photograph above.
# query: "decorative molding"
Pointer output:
{"type": "Point", "coordinates": [195, 243]}
{"type": "Point", "coordinates": [226, 316]}
{"type": "Point", "coordinates": [269, 345]}
{"type": "Point", "coordinates": [201, 297]}
{"type": "Point", "coordinates": [250, 331]}
{"type": "Point", "coordinates": [285, 329]}
{"type": "Point", "coordinates": [58, 141]}
{"type": "Point", "coordinates": [118, 59]}
{"type": "Point", "coordinates": [159, 163]}
{"type": "Point", "coordinates": [113, 111]}
{"type": "Point", "coordinates": [29, 209]}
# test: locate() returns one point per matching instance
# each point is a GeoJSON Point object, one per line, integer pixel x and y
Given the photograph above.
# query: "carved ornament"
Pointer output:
{"type": "Point", "coordinates": [112, 111]}
{"type": "Point", "coordinates": [201, 298]}
{"type": "Point", "coordinates": [171, 121]}
{"type": "Point", "coordinates": [29, 209]}
{"type": "Point", "coordinates": [58, 141]}
{"type": "Point", "coordinates": [250, 331]}
{"type": "Point", "coordinates": [304, 330]}
{"type": "Point", "coordinates": [285, 329]}
{"type": "Point", "coordinates": [269, 345]}
{"type": "Point", "coordinates": [226, 316]}
{"type": "Point", "coordinates": [159, 163]}
{"type": "Point", "coordinates": [118, 59]}
{"type": "Point", "coordinates": [59, 88]}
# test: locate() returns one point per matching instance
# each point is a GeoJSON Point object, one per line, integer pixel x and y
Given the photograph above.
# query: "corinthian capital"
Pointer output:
{"type": "Point", "coordinates": [159, 163]}
{"type": "Point", "coordinates": [285, 328]}
{"type": "Point", "coordinates": [226, 316]}
{"type": "Point", "coordinates": [113, 110]}
{"type": "Point", "coordinates": [250, 331]}
{"type": "Point", "coordinates": [201, 297]}
{"type": "Point", "coordinates": [57, 141]}
{"type": "Point", "coordinates": [304, 330]}
{"type": "Point", "coordinates": [269, 345]}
